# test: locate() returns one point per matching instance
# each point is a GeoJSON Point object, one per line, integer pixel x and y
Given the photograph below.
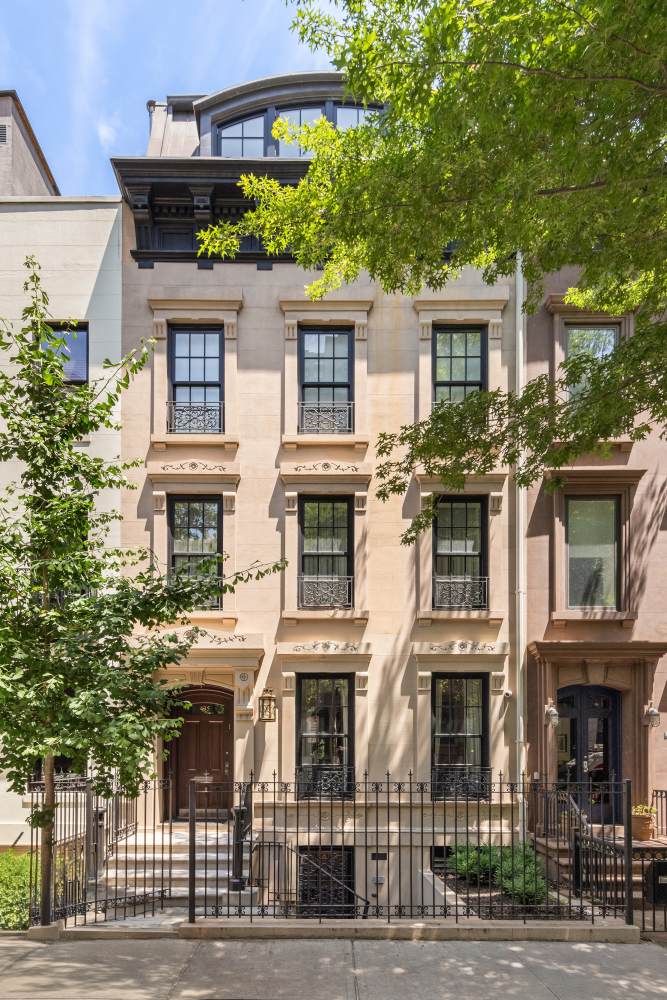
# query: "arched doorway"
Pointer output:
{"type": "Point", "coordinates": [205, 747]}
{"type": "Point", "coordinates": [588, 741]}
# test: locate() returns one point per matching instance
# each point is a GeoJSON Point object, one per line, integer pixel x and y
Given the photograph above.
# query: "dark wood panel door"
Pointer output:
{"type": "Point", "coordinates": [205, 749]}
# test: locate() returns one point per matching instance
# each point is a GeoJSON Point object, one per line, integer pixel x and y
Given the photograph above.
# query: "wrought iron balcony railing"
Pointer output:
{"type": "Point", "coordinates": [326, 418]}
{"type": "Point", "coordinates": [315, 781]}
{"type": "Point", "coordinates": [325, 591]}
{"type": "Point", "coordinates": [195, 418]}
{"type": "Point", "coordinates": [460, 592]}
{"type": "Point", "coordinates": [452, 781]}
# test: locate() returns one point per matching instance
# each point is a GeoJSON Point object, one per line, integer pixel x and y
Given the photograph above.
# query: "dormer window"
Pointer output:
{"type": "Point", "coordinates": [244, 139]}
{"type": "Point", "coordinates": [349, 117]}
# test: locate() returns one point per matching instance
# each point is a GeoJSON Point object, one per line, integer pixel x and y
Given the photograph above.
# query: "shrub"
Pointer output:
{"type": "Point", "coordinates": [514, 869]}
{"type": "Point", "coordinates": [14, 891]}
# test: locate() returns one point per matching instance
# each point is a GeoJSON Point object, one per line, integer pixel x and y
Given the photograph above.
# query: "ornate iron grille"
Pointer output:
{"type": "Point", "coordinates": [454, 781]}
{"type": "Point", "coordinates": [324, 780]}
{"type": "Point", "coordinates": [325, 591]}
{"type": "Point", "coordinates": [326, 418]}
{"type": "Point", "coordinates": [195, 418]}
{"type": "Point", "coordinates": [460, 592]}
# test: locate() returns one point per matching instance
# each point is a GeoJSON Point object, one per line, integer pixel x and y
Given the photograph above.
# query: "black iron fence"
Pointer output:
{"type": "Point", "coordinates": [112, 857]}
{"type": "Point", "coordinates": [444, 848]}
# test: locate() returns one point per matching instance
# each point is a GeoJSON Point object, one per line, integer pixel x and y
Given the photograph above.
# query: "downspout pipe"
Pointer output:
{"type": "Point", "coordinates": [520, 541]}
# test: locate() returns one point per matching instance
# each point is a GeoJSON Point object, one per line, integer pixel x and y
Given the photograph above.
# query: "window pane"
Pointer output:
{"type": "Point", "coordinates": [596, 341]}
{"type": "Point", "coordinates": [197, 345]}
{"type": "Point", "coordinates": [182, 370]}
{"type": "Point", "coordinates": [326, 370]}
{"type": "Point", "coordinates": [211, 370]}
{"type": "Point", "coordinates": [346, 118]}
{"type": "Point", "coordinates": [74, 354]}
{"type": "Point", "coordinates": [254, 128]}
{"type": "Point", "coordinates": [340, 345]}
{"type": "Point", "coordinates": [459, 344]}
{"type": "Point", "coordinates": [311, 342]}
{"type": "Point", "coordinates": [458, 370]}
{"type": "Point", "coordinates": [310, 370]}
{"type": "Point", "coordinates": [443, 370]}
{"type": "Point", "coordinates": [340, 370]}
{"type": "Point", "coordinates": [232, 131]}
{"type": "Point", "coordinates": [253, 148]}
{"type": "Point", "coordinates": [212, 345]}
{"type": "Point", "coordinates": [444, 344]}
{"type": "Point", "coordinates": [474, 369]}
{"type": "Point", "coordinates": [310, 115]}
{"type": "Point", "coordinates": [591, 536]}
{"type": "Point", "coordinates": [182, 345]}
{"type": "Point", "coordinates": [326, 345]}
{"type": "Point", "coordinates": [310, 514]}
{"type": "Point", "coordinates": [457, 394]}
{"type": "Point", "coordinates": [197, 393]}
{"type": "Point", "coordinates": [196, 369]}
{"type": "Point", "coordinates": [474, 343]}
{"type": "Point", "coordinates": [231, 147]}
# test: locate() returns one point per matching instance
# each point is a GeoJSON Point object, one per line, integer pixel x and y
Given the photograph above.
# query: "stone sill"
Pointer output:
{"type": "Point", "coordinates": [228, 441]}
{"type": "Point", "coordinates": [427, 616]}
{"type": "Point", "coordinates": [226, 618]}
{"type": "Point", "coordinates": [559, 619]}
{"type": "Point", "coordinates": [293, 441]}
{"type": "Point", "coordinates": [292, 617]}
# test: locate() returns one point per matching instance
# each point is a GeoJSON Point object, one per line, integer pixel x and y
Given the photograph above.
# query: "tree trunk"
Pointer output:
{"type": "Point", "coordinates": [47, 841]}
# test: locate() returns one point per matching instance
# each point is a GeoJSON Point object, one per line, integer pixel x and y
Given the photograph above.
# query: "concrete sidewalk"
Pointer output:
{"type": "Point", "coordinates": [328, 970]}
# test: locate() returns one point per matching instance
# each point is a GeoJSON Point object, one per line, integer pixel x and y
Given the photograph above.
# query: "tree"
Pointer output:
{"type": "Point", "coordinates": [75, 677]}
{"type": "Point", "coordinates": [506, 127]}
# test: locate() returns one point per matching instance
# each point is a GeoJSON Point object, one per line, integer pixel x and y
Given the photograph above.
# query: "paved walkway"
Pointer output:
{"type": "Point", "coordinates": [328, 970]}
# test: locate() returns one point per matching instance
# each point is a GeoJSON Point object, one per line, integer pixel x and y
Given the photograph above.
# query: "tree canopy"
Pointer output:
{"type": "Point", "coordinates": [503, 128]}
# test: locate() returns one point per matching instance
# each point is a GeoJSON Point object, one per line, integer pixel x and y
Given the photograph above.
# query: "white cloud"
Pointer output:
{"type": "Point", "coordinates": [107, 132]}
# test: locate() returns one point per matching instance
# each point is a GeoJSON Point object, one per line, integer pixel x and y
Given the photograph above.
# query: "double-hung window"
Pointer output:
{"type": "Point", "coordinates": [325, 736]}
{"type": "Point", "coordinates": [460, 755]}
{"type": "Point", "coordinates": [592, 538]}
{"type": "Point", "coordinates": [325, 362]}
{"type": "Point", "coordinates": [326, 575]}
{"type": "Point", "coordinates": [459, 355]}
{"type": "Point", "coordinates": [196, 359]}
{"type": "Point", "coordinates": [196, 534]}
{"type": "Point", "coordinates": [460, 545]}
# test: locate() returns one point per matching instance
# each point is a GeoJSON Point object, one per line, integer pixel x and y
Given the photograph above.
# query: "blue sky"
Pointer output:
{"type": "Point", "coordinates": [84, 69]}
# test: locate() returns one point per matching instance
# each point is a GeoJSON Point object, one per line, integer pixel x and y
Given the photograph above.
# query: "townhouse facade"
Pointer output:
{"type": "Point", "coordinates": [77, 242]}
{"type": "Point", "coordinates": [256, 422]}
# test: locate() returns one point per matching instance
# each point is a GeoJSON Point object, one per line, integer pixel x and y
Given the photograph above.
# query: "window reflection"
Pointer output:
{"type": "Point", "coordinates": [591, 541]}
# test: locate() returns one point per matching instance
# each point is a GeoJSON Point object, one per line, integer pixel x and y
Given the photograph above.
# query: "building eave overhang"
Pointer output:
{"type": "Point", "coordinates": [569, 650]}
{"type": "Point", "coordinates": [196, 169]}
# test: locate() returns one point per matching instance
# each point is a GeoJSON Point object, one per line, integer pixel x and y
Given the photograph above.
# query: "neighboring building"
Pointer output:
{"type": "Point", "coordinates": [596, 555]}
{"type": "Point", "coordinates": [256, 421]}
{"type": "Point", "coordinates": [77, 241]}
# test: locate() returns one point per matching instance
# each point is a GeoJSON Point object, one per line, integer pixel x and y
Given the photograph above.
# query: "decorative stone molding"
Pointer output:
{"type": "Point", "coordinates": [160, 329]}
{"type": "Point", "coordinates": [291, 329]}
{"type": "Point", "coordinates": [495, 503]}
{"type": "Point", "coordinates": [360, 330]}
{"type": "Point", "coordinates": [241, 650]}
{"type": "Point", "coordinates": [139, 203]}
{"type": "Point", "coordinates": [461, 651]}
{"type": "Point", "coordinates": [230, 330]}
{"type": "Point", "coordinates": [159, 502]}
{"type": "Point", "coordinates": [424, 680]}
{"type": "Point", "coordinates": [229, 502]}
{"type": "Point", "coordinates": [174, 475]}
{"type": "Point", "coordinates": [462, 304]}
{"type": "Point", "coordinates": [495, 329]}
{"type": "Point", "coordinates": [304, 654]}
{"type": "Point", "coordinates": [325, 646]}
{"type": "Point", "coordinates": [328, 475]}
{"type": "Point", "coordinates": [425, 330]}
{"type": "Point", "coordinates": [179, 303]}
{"type": "Point", "coordinates": [201, 196]}
{"type": "Point", "coordinates": [298, 309]}
{"type": "Point", "coordinates": [291, 503]}
{"type": "Point", "coordinates": [361, 682]}
{"type": "Point", "coordinates": [360, 501]}
{"type": "Point", "coordinates": [289, 682]}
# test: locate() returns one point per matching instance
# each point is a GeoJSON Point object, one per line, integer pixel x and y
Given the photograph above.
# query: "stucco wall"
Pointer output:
{"type": "Point", "coordinates": [21, 169]}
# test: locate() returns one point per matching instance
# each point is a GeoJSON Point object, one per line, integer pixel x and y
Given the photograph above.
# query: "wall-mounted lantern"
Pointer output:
{"type": "Point", "coordinates": [267, 706]}
{"type": "Point", "coordinates": [651, 716]}
{"type": "Point", "coordinates": [551, 713]}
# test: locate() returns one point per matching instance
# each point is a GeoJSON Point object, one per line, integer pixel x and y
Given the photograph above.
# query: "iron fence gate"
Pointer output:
{"type": "Point", "coordinates": [112, 857]}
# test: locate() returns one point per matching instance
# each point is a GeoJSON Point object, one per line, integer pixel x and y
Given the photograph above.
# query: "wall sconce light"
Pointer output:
{"type": "Point", "coordinates": [267, 706]}
{"type": "Point", "coordinates": [552, 713]}
{"type": "Point", "coordinates": [651, 716]}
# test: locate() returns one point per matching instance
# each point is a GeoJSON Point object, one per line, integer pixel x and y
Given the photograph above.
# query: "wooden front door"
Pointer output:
{"type": "Point", "coordinates": [205, 748]}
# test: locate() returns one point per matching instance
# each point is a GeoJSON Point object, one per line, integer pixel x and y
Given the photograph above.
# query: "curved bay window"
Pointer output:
{"type": "Point", "coordinates": [460, 705]}
{"type": "Point", "coordinates": [196, 534]}
{"type": "Point", "coordinates": [325, 750]}
{"type": "Point", "coordinates": [326, 575]}
{"type": "Point", "coordinates": [196, 377]}
{"type": "Point", "coordinates": [460, 546]}
{"type": "Point", "coordinates": [325, 363]}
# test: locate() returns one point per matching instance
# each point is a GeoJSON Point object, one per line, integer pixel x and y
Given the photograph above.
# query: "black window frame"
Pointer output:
{"type": "Point", "coordinates": [327, 498]}
{"type": "Point", "coordinates": [175, 498]}
{"type": "Point", "coordinates": [171, 359]}
{"type": "Point", "coordinates": [483, 500]}
{"type": "Point", "coordinates": [81, 327]}
{"type": "Point", "coordinates": [301, 347]}
{"type": "Point", "coordinates": [350, 677]}
{"type": "Point", "coordinates": [486, 716]}
{"type": "Point", "coordinates": [483, 330]}
{"type": "Point", "coordinates": [618, 552]}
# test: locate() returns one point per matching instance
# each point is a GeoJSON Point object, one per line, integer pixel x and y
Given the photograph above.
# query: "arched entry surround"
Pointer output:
{"type": "Point", "coordinates": [205, 746]}
{"type": "Point", "coordinates": [625, 667]}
